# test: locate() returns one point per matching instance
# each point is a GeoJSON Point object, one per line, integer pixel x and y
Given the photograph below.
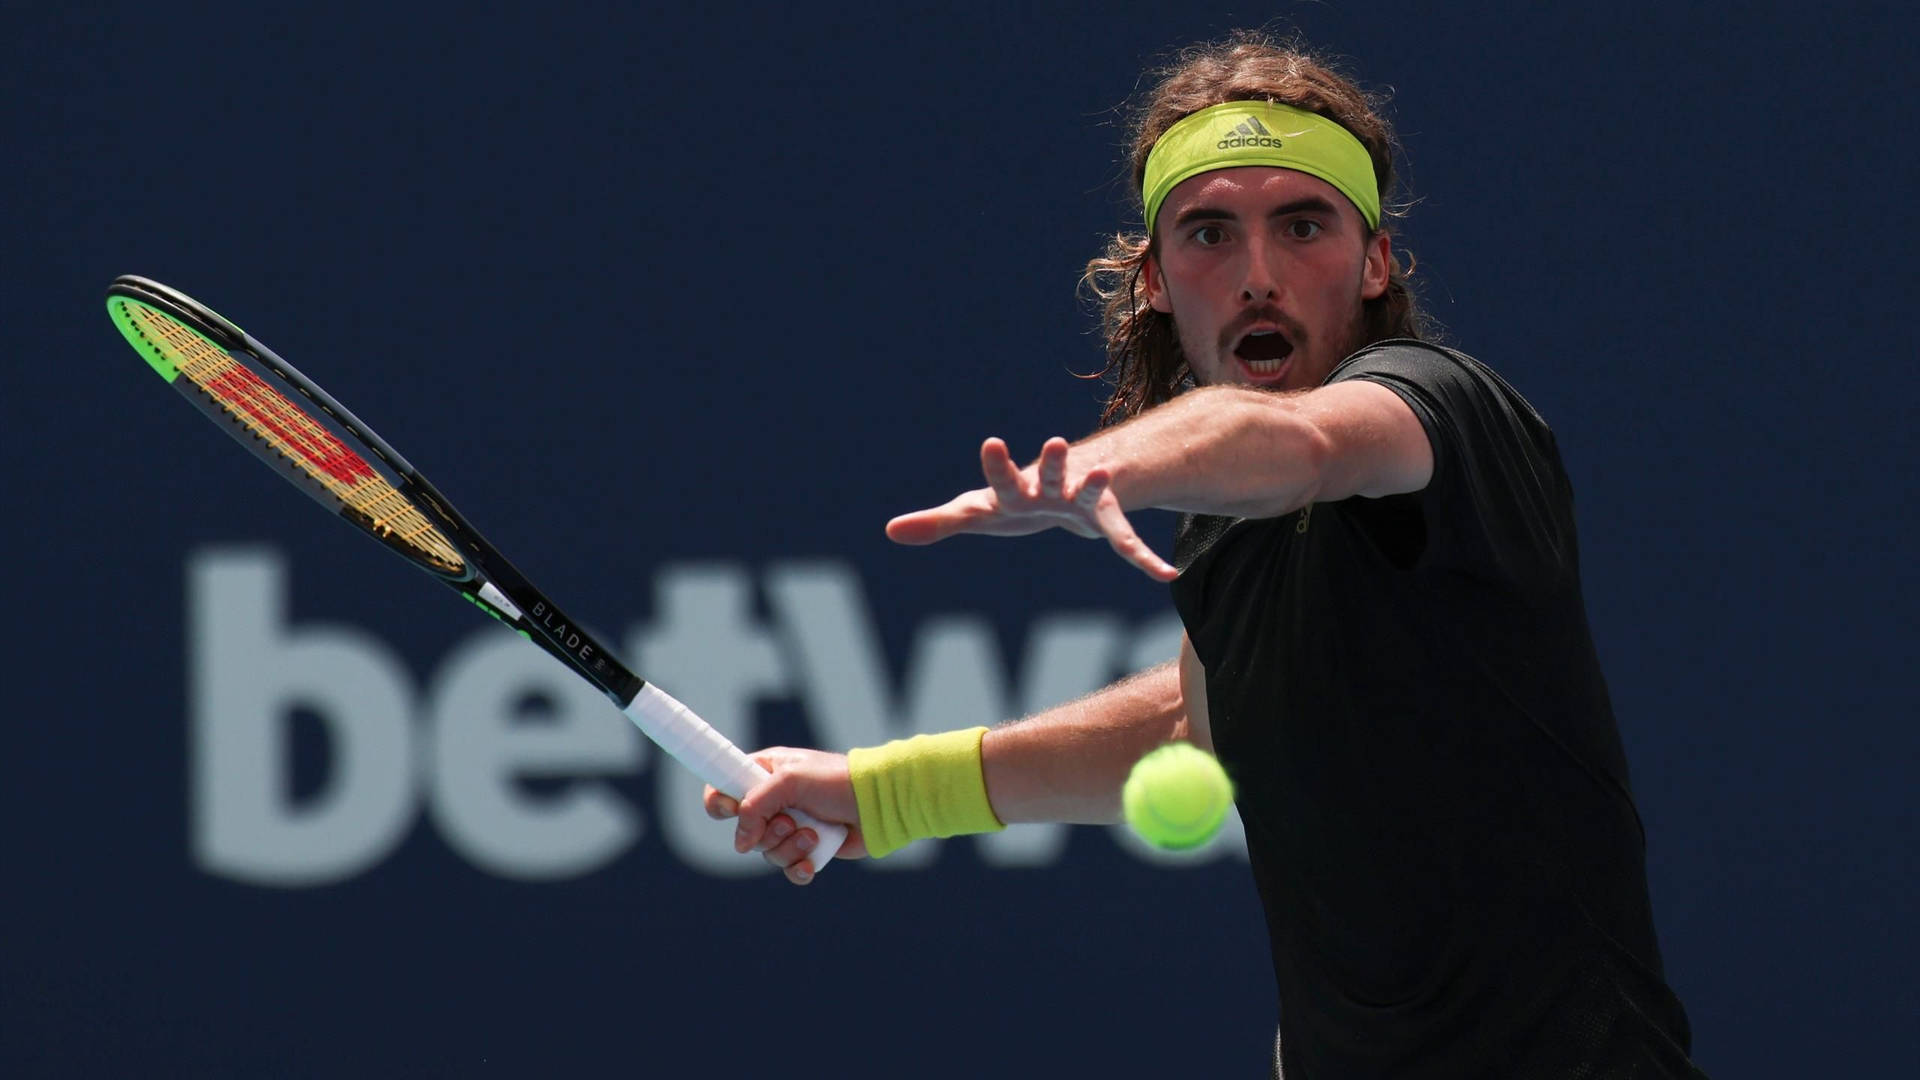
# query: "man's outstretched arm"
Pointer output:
{"type": "Point", "coordinates": [1219, 450]}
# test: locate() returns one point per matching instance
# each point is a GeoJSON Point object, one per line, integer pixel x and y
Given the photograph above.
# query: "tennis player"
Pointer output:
{"type": "Point", "coordinates": [1385, 640]}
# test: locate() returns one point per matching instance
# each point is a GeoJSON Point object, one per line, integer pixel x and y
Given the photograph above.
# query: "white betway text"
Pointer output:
{"type": "Point", "coordinates": [459, 748]}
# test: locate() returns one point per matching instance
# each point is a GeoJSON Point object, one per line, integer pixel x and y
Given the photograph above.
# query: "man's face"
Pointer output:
{"type": "Point", "coordinates": [1264, 271]}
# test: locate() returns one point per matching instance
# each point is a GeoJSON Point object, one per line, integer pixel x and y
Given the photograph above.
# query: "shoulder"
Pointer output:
{"type": "Point", "coordinates": [1439, 371]}
{"type": "Point", "coordinates": [1499, 495]}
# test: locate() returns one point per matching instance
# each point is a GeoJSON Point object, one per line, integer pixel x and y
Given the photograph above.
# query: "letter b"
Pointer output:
{"type": "Point", "coordinates": [247, 671]}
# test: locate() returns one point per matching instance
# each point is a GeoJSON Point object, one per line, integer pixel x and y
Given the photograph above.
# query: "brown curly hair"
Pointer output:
{"type": "Point", "coordinates": [1144, 361]}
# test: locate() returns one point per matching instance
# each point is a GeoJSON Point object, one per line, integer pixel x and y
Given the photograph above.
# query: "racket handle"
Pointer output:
{"type": "Point", "coordinates": [713, 758]}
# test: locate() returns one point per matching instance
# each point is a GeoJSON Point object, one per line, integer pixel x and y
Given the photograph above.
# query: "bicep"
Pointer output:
{"type": "Point", "coordinates": [1375, 445]}
{"type": "Point", "coordinates": [1193, 696]}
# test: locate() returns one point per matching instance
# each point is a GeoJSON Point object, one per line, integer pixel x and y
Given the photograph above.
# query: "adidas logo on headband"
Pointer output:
{"type": "Point", "coordinates": [1248, 132]}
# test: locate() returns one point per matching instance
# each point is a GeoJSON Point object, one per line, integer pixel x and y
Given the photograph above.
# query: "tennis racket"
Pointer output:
{"type": "Point", "coordinates": [304, 435]}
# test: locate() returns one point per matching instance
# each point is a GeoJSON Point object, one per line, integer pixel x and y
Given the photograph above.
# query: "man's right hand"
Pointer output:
{"type": "Point", "coordinates": [810, 780]}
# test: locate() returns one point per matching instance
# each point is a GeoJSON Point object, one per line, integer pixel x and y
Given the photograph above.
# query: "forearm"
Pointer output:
{"type": "Point", "coordinates": [1068, 763]}
{"type": "Point", "coordinates": [1217, 450]}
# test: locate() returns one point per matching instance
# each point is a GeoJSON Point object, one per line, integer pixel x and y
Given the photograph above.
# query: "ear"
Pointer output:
{"type": "Point", "coordinates": [1379, 268]}
{"type": "Point", "coordinates": [1155, 286]}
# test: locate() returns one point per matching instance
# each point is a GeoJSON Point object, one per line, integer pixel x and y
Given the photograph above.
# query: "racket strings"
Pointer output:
{"type": "Point", "coordinates": [296, 436]}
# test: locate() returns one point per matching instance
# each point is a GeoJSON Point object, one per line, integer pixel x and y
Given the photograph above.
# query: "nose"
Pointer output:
{"type": "Point", "coordinates": [1258, 282]}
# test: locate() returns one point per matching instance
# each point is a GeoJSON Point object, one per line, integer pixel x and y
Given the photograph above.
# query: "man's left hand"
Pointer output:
{"type": "Point", "coordinates": [1044, 495]}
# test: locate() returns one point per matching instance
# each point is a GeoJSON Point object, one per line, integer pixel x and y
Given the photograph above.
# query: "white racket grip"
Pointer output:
{"type": "Point", "coordinates": [713, 758]}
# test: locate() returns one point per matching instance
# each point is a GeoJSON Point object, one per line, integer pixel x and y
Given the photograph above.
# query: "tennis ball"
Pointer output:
{"type": "Point", "coordinates": [1177, 796]}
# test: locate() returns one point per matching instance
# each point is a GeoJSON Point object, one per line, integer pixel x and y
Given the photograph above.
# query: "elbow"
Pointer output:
{"type": "Point", "coordinates": [1313, 450]}
{"type": "Point", "coordinates": [1293, 456]}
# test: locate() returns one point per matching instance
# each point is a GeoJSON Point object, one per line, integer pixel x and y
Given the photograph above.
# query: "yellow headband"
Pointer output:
{"type": "Point", "coordinates": [1261, 133]}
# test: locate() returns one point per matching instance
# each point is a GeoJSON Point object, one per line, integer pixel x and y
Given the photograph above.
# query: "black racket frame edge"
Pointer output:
{"type": "Point", "coordinates": [541, 620]}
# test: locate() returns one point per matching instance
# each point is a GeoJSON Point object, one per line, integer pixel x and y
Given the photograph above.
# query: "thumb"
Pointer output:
{"type": "Point", "coordinates": [936, 522]}
{"type": "Point", "coordinates": [759, 806]}
{"type": "Point", "coordinates": [913, 528]}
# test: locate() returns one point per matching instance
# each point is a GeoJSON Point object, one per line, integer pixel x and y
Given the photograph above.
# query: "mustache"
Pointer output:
{"type": "Point", "coordinates": [1241, 323]}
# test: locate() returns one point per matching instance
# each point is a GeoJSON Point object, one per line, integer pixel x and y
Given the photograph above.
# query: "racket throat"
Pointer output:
{"type": "Point", "coordinates": [498, 599]}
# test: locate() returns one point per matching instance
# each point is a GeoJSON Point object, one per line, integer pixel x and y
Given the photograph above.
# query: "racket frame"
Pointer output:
{"type": "Point", "coordinates": [488, 579]}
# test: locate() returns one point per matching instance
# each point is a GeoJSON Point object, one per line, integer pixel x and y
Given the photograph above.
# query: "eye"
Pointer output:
{"type": "Point", "coordinates": [1303, 228]}
{"type": "Point", "coordinates": [1209, 235]}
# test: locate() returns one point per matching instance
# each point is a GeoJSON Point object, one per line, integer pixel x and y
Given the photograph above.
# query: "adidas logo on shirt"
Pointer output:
{"type": "Point", "coordinates": [1248, 132]}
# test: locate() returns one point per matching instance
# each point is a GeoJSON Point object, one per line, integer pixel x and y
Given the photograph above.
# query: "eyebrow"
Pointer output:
{"type": "Point", "coordinates": [1314, 203]}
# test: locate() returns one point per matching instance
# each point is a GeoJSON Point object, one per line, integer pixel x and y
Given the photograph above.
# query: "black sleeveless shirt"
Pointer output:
{"type": "Point", "coordinates": [1407, 696]}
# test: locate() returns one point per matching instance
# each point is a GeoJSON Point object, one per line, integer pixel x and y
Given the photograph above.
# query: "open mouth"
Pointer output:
{"type": "Point", "coordinates": [1264, 352]}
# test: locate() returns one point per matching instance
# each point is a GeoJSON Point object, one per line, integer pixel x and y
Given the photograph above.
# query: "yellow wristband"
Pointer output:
{"type": "Point", "coordinates": [929, 785]}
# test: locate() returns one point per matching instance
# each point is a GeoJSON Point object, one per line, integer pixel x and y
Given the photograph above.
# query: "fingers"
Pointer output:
{"type": "Point", "coordinates": [778, 829]}
{"type": "Point", "coordinates": [1053, 468]}
{"type": "Point", "coordinates": [1019, 501]}
{"type": "Point", "coordinates": [719, 807]}
{"type": "Point", "coordinates": [757, 809]}
{"type": "Point", "coordinates": [1003, 476]}
{"type": "Point", "coordinates": [1114, 525]}
{"type": "Point", "coordinates": [790, 855]}
{"type": "Point", "coordinates": [1093, 488]}
{"type": "Point", "coordinates": [1005, 487]}
{"type": "Point", "coordinates": [1135, 550]}
{"type": "Point", "coordinates": [781, 842]}
{"type": "Point", "coordinates": [766, 815]}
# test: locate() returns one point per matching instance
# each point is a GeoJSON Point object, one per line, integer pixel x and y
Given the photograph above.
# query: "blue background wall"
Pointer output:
{"type": "Point", "coordinates": [656, 295]}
